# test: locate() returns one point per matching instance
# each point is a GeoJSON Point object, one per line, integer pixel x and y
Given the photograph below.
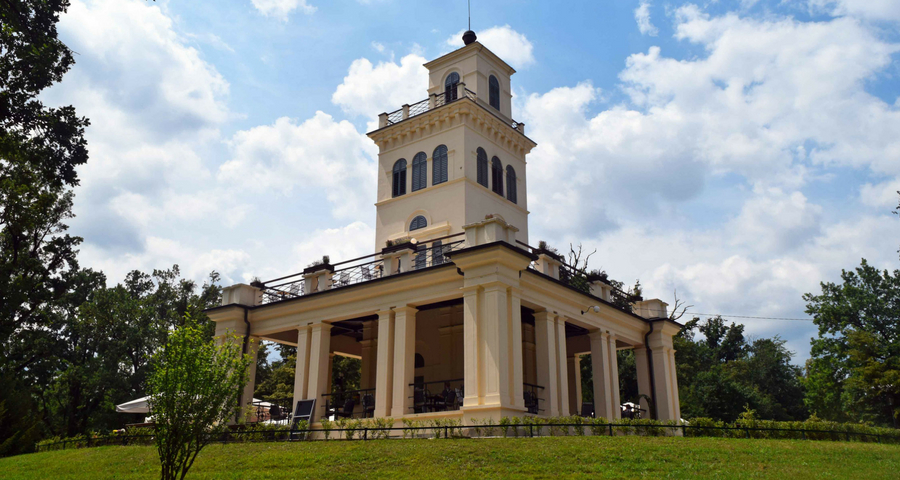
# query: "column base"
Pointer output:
{"type": "Point", "coordinates": [495, 412]}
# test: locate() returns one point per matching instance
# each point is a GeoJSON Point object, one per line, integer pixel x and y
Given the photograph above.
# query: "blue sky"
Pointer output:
{"type": "Point", "coordinates": [737, 151]}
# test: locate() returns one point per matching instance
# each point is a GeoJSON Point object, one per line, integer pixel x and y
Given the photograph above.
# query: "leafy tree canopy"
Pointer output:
{"type": "Point", "coordinates": [854, 372]}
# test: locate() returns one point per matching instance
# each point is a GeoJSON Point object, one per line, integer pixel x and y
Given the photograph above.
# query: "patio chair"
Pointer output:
{"type": "Point", "coordinates": [347, 411]}
{"type": "Point", "coordinates": [368, 404]}
{"type": "Point", "coordinates": [530, 402]}
{"type": "Point", "coordinates": [276, 413]}
{"type": "Point", "coordinates": [450, 402]}
{"type": "Point", "coordinates": [419, 403]}
{"type": "Point", "coordinates": [587, 410]}
{"type": "Point", "coordinates": [366, 273]}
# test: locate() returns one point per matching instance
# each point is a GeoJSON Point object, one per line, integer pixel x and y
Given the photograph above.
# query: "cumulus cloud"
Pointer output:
{"type": "Point", "coordinates": [513, 47]}
{"type": "Point", "coordinates": [642, 17]}
{"type": "Point", "coordinates": [884, 10]}
{"type": "Point", "coordinates": [697, 180]}
{"type": "Point", "coordinates": [280, 9]}
{"type": "Point", "coordinates": [319, 154]}
{"type": "Point", "coordinates": [369, 89]}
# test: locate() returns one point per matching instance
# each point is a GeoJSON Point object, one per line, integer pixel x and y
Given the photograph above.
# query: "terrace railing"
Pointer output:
{"type": "Point", "coordinates": [578, 279]}
{"type": "Point", "coordinates": [428, 253]}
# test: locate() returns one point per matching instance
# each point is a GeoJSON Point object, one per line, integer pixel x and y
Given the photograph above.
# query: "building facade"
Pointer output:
{"type": "Point", "coordinates": [455, 315]}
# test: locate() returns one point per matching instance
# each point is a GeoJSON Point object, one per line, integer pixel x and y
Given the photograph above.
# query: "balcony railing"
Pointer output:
{"type": "Point", "coordinates": [437, 100]}
{"type": "Point", "coordinates": [578, 279]}
{"type": "Point", "coordinates": [428, 253]}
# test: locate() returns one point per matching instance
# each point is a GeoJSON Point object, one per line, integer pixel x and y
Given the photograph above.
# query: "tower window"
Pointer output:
{"type": "Point", "coordinates": [419, 171]}
{"type": "Point", "coordinates": [511, 184]}
{"type": "Point", "coordinates": [482, 167]}
{"type": "Point", "coordinates": [497, 176]}
{"type": "Point", "coordinates": [419, 361]}
{"type": "Point", "coordinates": [399, 178]}
{"type": "Point", "coordinates": [450, 90]}
{"type": "Point", "coordinates": [494, 90]}
{"type": "Point", "coordinates": [439, 165]}
{"type": "Point", "coordinates": [417, 223]}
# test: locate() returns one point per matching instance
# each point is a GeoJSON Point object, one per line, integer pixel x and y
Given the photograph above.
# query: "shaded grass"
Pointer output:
{"type": "Point", "coordinates": [570, 457]}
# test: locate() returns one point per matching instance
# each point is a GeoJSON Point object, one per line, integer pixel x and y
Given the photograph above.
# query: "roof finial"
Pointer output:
{"type": "Point", "coordinates": [469, 36]}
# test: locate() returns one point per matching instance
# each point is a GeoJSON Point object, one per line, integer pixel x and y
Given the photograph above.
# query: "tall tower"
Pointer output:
{"type": "Point", "coordinates": [455, 157]}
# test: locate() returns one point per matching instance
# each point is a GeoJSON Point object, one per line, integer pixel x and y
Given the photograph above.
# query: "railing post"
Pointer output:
{"type": "Point", "coordinates": [382, 120]}
{"type": "Point", "coordinates": [405, 111]}
{"type": "Point", "coordinates": [461, 91]}
{"type": "Point", "coordinates": [365, 434]}
{"type": "Point", "coordinates": [610, 430]}
{"type": "Point", "coordinates": [446, 435]}
{"type": "Point", "coordinates": [432, 101]}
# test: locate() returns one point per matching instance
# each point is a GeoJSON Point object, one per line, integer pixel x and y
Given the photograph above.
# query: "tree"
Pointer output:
{"type": "Point", "coordinates": [40, 149]}
{"type": "Point", "coordinates": [194, 390]}
{"type": "Point", "coordinates": [722, 373]}
{"type": "Point", "coordinates": [854, 369]}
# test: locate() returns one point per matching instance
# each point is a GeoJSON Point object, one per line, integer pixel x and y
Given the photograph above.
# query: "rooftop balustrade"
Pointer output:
{"type": "Point", "coordinates": [410, 257]}
{"type": "Point", "coordinates": [437, 100]}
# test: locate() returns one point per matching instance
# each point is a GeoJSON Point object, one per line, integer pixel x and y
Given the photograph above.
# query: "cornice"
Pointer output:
{"type": "Point", "coordinates": [461, 112]}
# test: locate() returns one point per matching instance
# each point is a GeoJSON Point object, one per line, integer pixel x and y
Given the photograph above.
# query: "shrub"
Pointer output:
{"type": "Point", "coordinates": [327, 425]}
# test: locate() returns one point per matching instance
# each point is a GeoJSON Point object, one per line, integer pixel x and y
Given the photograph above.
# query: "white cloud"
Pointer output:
{"type": "Point", "coordinates": [379, 47]}
{"type": "Point", "coordinates": [280, 9]}
{"type": "Point", "coordinates": [344, 243]}
{"type": "Point", "coordinates": [511, 46]}
{"type": "Point", "coordinates": [887, 10]}
{"type": "Point", "coordinates": [368, 89]}
{"type": "Point", "coordinates": [642, 17]}
{"type": "Point", "coordinates": [882, 195]}
{"type": "Point", "coordinates": [319, 155]}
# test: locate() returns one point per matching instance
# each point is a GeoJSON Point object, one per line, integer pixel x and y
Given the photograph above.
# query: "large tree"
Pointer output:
{"type": "Point", "coordinates": [854, 372]}
{"type": "Point", "coordinates": [721, 373]}
{"type": "Point", "coordinates": [40, 148]}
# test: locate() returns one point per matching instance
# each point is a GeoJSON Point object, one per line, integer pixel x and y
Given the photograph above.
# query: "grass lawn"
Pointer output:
{"type": "Point", "coordinates": [571, 457]}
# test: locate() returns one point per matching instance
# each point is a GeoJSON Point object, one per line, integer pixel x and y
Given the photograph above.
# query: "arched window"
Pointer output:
{"type": "Point", "coordinates": [437, 253]}
{"type": "Point", "coordinates": [417, 223]}
{"type": "Point", "coordinates": [419, 361]}
{"type": "Point", "coordinates": [497, 176]}
{"type": "Point", "coordinates": [450, 90]}
{"type": "Point", "coordinates": [511, 184]}
{"type": "Point", "coordinates": [494, 90]}
{"type": "Point", "coordinates": [439, 165]}
{"type": "Point", "coordinates": [482, 167]}
{"type": "Point", "coordinates": [399, 179]}
{"type": "Point", "coordinates": [420, 171]}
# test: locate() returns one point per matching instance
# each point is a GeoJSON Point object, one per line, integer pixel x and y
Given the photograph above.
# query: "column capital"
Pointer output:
{"type": "Point", "coordinates": [320, 326]}
{"type": "Point", "coordinates": [405, 309]}
{"type": "Point", "coordinates": [494, 286]}
{"type": "Point", "coordinates": [386, 312]}
{"type": "Point", "coordinates": [545, 315]}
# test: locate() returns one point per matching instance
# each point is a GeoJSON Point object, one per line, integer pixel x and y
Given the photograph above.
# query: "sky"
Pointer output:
{"type": "Point", "coordinates": [737, 152]}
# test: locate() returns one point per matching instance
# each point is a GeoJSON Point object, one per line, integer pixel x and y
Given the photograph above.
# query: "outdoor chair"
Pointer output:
{"type": "Point", "coordinates": [276, 413]}
{"type": "Point", "coordinates": [347, 411]}
{"type": "Point", "coordinates": [368, 404]}
{"type": "Point", "coordinates": [450, 400]}
{"type": "Point", "coordinates": [366, 273]}
{"type": "Point", "coordinates": [419, 404]}
{"type": "Point", "coordinates": [587, 410]}
{"type": "Point", "coordinates": [531, 402]}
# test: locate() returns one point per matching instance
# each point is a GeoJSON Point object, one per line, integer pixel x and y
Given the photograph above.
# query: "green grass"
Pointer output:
{"type": "Point", "coordinates": [569, 457]}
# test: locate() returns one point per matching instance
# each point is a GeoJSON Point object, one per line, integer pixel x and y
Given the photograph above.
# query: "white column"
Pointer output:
{"type": "Point", "coordinates": [545, 350]}
{"type": "Point", "coordinates": [642, 365]}
{"type": "Point", "coordinates": [601, 374]}
{"type": "Point", "coordinates": [384, 372]}
{"type": "Point", "coordinates": [676, 398]}
{"type": "Point", "coordinates": [301, 371]}
{"type": "Point", "coordinates": [249, 387]}
{"type": "Point", "coordinates": [614, 377]}
{"type": "Point", "coordinates": [662, 376]}
{"type": "Point", "coordinates": [562, 377]}
{"type": "Point", "coordinates": [574, 390]}
{"type": "Point", "coordinates": [496, 370]}
{"type": "Point", "coordinates": [517, 372]}
{"type": "Point", "coordinates": [471, 354]}
{"type": "Point", "coordinates": [320, 344]}
{"type": "Point", "coordinates": [404, 359]}
{"type": "Point", "coordinates": [579, 393]}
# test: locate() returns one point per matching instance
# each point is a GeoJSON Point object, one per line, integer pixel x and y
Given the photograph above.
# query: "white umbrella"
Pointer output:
{"type": "Point", "coordinates": [141, 405]}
